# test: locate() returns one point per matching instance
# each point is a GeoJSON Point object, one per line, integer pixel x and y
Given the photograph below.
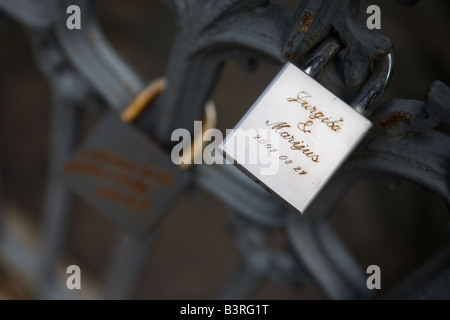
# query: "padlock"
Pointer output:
{"type": "Point", "coordinates": [302, 130]}
{"type": "Point", "coordinates": [125, 175]}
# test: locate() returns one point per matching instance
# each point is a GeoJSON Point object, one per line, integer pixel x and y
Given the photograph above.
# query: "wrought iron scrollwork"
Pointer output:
{"type": "Point", "coordinates": [80, 65]}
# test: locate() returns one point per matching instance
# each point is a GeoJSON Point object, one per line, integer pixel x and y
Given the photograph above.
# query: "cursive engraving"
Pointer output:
{"type": "Point", "coordinates": [295, 145]}
{"type": "Point", "coordinates": [302, 126]}
{"type": "Point", "coordinates": [303, 99]}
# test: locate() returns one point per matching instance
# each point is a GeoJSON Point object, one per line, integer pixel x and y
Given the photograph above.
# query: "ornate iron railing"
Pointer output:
{"type": "Point", "coordinates": [80, 65]}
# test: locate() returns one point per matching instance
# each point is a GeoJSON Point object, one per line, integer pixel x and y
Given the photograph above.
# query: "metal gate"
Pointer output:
{"type": "Point", "coordinates": [302, 253]}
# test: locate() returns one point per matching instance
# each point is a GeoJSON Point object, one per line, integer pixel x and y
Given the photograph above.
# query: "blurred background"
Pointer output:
{"type": "Point", "coordinates": [194, 254]}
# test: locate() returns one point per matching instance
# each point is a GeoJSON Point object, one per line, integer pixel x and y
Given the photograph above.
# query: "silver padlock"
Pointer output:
{"type": "Point", "coordinates": [298, 133]}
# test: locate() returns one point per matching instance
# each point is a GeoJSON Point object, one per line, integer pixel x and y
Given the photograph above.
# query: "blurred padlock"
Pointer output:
{"type": "Point", "coordinates": [124, 174]}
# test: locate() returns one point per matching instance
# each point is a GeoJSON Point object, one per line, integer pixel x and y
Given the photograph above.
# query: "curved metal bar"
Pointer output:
{"type": "Point", "coordinates": [208, 37]}
{"type": "Point", "coordinates": [375, 86]}
{"type": "Point", "coordinates": [241, 194]}
{"type": "Point", "coordinates": [92, 56]}
{"type": "Point", "coordinates": [422, 157]}
{"type": "Point", "coordinates": [248, 31]}
{"type": "Point", "coordinates": [31, 13]}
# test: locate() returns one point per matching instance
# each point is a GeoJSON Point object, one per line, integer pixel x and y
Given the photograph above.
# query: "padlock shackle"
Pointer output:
{"type": "Point", "coordinates": [375, 86]}
{"type": "Point", "coordinates": [324, 52]}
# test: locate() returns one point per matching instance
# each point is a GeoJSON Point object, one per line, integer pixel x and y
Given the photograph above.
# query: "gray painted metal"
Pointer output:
{"type": "Point", "coordinates": [405, 146]}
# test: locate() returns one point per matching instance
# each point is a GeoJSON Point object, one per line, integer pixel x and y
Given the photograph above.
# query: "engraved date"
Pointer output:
{"type": "Point", "coordinates": [297, 169]}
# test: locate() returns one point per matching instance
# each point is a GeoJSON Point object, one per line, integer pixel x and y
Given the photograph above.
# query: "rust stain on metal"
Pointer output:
{"type": "Point", "coordinates": [315, 37]}
{"type": "Point", "coordinates": [393, 119]}
{"type": "Point", "coordinates": [305, 22]}
{"type": "Point", "coordinates": [288, 56]}
{"type": "Point", "coordinates": [382, 54]}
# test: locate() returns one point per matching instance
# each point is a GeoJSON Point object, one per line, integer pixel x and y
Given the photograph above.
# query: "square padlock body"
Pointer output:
{"type": "Point", "coordinates": [124, 175]}
{"type": "Point", "coordinates": [311, 134]}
